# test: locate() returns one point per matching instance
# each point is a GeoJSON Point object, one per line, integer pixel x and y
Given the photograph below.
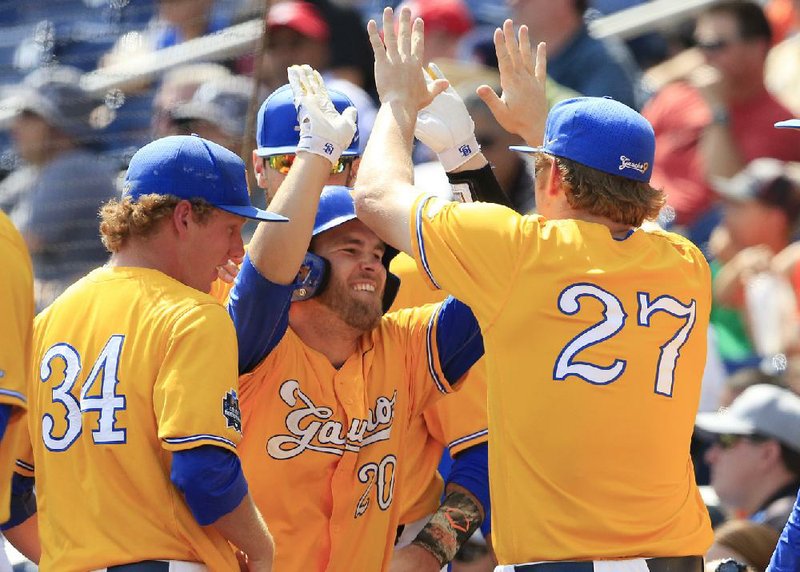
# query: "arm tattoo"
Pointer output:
{"type": "Point", "coordinates": [450, 527]}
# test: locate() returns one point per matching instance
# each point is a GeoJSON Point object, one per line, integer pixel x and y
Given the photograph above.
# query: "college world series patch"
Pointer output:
{"type": "Point", "coordinates": [231, 411]}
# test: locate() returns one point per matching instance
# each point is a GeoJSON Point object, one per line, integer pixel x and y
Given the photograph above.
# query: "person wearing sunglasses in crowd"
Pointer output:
{"type": "Point", "coordinates": [755, 453]}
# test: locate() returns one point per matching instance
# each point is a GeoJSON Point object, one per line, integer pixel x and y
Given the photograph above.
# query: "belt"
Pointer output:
{"type": "Point", "coordinates": [663, 564]}
{"type": "Point", "coordinates": [143, 566]}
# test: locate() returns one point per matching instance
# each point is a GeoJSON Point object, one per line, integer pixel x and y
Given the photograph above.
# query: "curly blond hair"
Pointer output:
{"type": "Point", "coordinates": [123, 219]}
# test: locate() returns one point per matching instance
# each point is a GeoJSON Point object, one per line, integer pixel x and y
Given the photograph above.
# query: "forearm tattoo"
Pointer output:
{"type": "Point", "coordinates": [450, 527]}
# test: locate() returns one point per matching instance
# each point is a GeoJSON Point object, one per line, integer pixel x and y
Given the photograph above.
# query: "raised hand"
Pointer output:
{"type": "Point", "coordinates": [522, 108]}
{"type": "Point", "coordinates": [445, 125]}
{"type": "Point", "coordinates": [398, 61]}
{"type": "Point", "coordinates": [323, 130]}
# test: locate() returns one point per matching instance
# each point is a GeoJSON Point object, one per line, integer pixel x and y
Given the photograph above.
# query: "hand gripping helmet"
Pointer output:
{"type": "Point", "coordinates": [336, 207]}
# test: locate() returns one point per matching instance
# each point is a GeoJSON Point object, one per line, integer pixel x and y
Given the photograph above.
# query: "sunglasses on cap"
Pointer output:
{"type": "Point", "coordinates": [727, 440]}
{"type": "Point", "coordinates": [282, 163]}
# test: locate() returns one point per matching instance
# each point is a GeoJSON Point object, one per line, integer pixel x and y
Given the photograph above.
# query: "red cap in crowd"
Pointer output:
{"type": "Point", "coordinates": [302, 17]}
{"type": "Point", "coordinates": [451, 16]}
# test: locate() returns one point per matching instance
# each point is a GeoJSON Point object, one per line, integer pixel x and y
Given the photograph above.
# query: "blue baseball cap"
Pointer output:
{"type": "Point", "coordinates": [789, 123]}
{"type": "Point", "coordinates": [600, 133]}
{"type": "Point", "coordinates": [277, 129]}
{"type": "Point", "coordinates": [190, 167]}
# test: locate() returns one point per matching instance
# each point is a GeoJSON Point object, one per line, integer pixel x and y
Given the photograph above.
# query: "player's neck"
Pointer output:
{"type": "Point", "coordinates": [133, 256]}
{"type": "Point", "coordinates": [617, 230]}
{"type": "Point", "coordinates": [322, 330]}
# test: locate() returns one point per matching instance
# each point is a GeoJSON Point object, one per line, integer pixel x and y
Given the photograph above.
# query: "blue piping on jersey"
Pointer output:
{"type": "Point", "coordinates": [23, 465]}
{"type": "Point", "coordinates": [429, 346]}
{"type": "Point", "coordinates": [193, 438]}
{"type": "Point", "coordinates": [466, 438]}
{"type": "Point", "coordinates": [16, 394]}
{"type": "Point", "coordinates": [626, 237]}
{"type": "Point", "coordinates": [422, 257]}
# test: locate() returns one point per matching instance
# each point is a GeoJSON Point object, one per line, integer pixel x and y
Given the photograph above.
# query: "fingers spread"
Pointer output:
{"type": "Point", "coordinates": [418, 39]}
{"type": "Point", "coordinates": [404, 38]}
{"type": "Point", "coordinates": [511, 42]}
{"type": "Point", "coordinates": [389, 36]}
{"type": "Point", "coordinates": [525, 52]}
{"type": "Point", "coordinates": [491, 99]}
{"type": "Point", "coordinates": [541, 62]}
{"type": "Point", "coordinates": [375, 40]}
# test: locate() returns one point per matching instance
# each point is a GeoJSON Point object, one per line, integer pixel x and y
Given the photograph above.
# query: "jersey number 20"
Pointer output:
{"type": "Point", "coordinates": [106, 367]}
{"type": "Point", "coordinates": [614, 318]}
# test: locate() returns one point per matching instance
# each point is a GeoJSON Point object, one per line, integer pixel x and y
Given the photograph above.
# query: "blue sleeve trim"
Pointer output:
{"type": "Point", "coordinates": [471, 470]}
{"type": "Point", "coordinates": [5, 415]}
{"type": "Point", "coordinates": [786, 557]}
{"type": "Point", "coordinates": [466, 438]}
{"type": "Point", "coordinates": [459, 339]}
{"type": "Point", "coordinates": [23, 501]}
{"type": "Point", "coordinates": [23, 465]}
{"type": "Point", "coordinates": [193, 438]}
{"type": "Point", "coordinates": [429, 347]}
{"type": "Point", "coordinates": [420, 242]}
{"type": "Point", "coordinates": [211, 481]}
{"type": "Point", "coordinates": [15, 394]}
{"type": "Point", "coordinates": [260, 312]}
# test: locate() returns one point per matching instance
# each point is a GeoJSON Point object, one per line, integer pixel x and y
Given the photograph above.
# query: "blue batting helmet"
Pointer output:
{"type": "Point", "coordinates": [336, 207]}
{"type": "Point", "coordinates": [278, 131]}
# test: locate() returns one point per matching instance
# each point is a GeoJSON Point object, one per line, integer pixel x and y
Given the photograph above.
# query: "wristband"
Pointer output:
{"type": "Point", "coordinates": [454, 157]}
{"type": "Point", "coordinates": [480, 185]}
{"type": "Point", "coordinates": [319, 146]}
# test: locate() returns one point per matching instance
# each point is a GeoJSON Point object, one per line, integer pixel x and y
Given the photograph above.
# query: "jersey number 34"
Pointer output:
{"type": "Point", "coordinates": [614, 317]}
{"type": "Point", "coordinates": [108, 402]}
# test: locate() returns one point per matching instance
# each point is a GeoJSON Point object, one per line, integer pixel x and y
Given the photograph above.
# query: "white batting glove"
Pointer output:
{"type": "Point", "coordinates": [446, 126]}
{"type": "Point", "coordinates": [323, 130]}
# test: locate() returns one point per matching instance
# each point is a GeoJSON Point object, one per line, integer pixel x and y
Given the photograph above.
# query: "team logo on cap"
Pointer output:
{"type": "Point", "coordinates": [625, 163]}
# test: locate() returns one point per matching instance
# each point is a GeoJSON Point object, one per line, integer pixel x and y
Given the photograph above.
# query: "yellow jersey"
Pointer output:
{"type": "Point", "coordinates": [454, 423]}
{"type": "Point", "coordinates": [323, 446]}
{"type": "Point", "coordinates": [16, 308]}
{"type": "Point", "coordinates": [595, 349]}
{"type": "Point", "coordinates": [129, 365]}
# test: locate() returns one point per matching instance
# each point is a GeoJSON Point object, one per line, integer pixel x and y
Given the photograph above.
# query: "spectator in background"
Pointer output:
{"type": "Point", "coordinates": [744, 541]}
{"type": "Point", "coordinates": [299, 34]}
{"type": "Point", "coordinates": [741, 379]}
{"type": "Point", "coordinates": [178, 86]}
{"type": "Point", "coordinates": [574, 58]}
{"type": "Point", "coordinates": [761, 212]}
{"type": "Point", "coordinates": [54, 196]}
{"type": "Point", "coordinates": [217, 111]}
{"type": "Point", "coordinates": [755, 454]}
{"type": "Point", "coordinates": [716, 117]}
{"type": "Point", "coordinates": [446, 22]}
{"type": "Point", "coordinates": [783, 62]}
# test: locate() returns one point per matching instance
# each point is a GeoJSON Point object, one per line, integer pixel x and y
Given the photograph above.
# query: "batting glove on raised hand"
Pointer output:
{"type": "Point", "coordinates": [446, 126]}
{"type": "Point", "coordinates": [323, 130]}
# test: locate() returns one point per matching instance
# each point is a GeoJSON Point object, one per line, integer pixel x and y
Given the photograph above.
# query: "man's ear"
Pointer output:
{"type": "Point", "coordinates": [258, 169]}
{"type": "Point", "coordinates": [351, 178]}
{"type": "Point", "coordinates": [182, 216]}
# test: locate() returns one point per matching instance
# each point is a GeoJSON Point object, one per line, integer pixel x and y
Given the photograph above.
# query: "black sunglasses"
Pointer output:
{"type": "Point", "coordinates": [728, 440]}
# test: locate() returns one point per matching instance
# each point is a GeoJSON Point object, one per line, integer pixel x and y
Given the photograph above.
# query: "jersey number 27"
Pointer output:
{"type": "Point", "coordinates": [108, 402]}
{"type": "Point", "coordinates": [614, 318]}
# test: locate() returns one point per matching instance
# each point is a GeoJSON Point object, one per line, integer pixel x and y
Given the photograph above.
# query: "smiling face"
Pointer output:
{"type": "Point", "coordinates": [358, 276]}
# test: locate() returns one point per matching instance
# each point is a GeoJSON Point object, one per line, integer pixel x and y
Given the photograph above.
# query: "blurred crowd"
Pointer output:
{"type": "Point", "coordinates": [712, 84]}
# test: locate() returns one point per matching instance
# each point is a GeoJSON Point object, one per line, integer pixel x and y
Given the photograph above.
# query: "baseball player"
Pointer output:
{"type": "Point", "coordinates": [134, 420]}
{"type": "Point", "coordinates": [17, 309]}
{"type": "Point", "coordinates": [459, 422]}
{"type": "Point", "coordinates": [595, 329]}
{"type": "Point", "coordinates": [331, 381]}
{"type": "Point", "coordinates": [786, 557]}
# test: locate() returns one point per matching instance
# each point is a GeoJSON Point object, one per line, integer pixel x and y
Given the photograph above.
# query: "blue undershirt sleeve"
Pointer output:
{"type": "Point", "coordinates": [260, 312]}
{"type": "Point", "coordinates": [471, 470]}
{"type": "Point", "coordinates": [5, 415]}
{"type": "Point", "coordinates": [211, 481]}
{"type": "Point", "coordinates": [23, 501]}
{"type": "Point", "coordinates": [786, 557]}
{"type": "Point", "coordinates": [459, 339]}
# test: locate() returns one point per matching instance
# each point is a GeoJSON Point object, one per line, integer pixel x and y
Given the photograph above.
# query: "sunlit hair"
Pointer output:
{"type": "Point", "coordinates": [619, 199]}
{"type": "Point", "coordinates": [753, 541]}
{"type": "Point", "coordinates": [122, 219]}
